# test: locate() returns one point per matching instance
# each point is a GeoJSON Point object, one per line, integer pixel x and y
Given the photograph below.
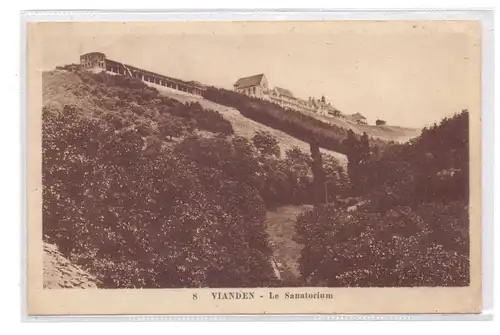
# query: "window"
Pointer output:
{"type": "Point", "coordinates": [253, 90]}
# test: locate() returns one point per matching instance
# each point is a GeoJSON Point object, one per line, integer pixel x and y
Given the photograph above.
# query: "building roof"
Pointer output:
{"type": "Point", "coordinates": [196, 83]}
{"type": "Point", "coordinates": [93, 53]}
{"type": "Point", "coordinates": [249, 81]}
{"type": "Point", "coordinates": [285, 92]}
{"type": "Point", "coordinates": [356, 117]}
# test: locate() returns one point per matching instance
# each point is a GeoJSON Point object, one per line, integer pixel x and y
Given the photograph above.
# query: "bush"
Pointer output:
{"type": "Point", "coordinates": [70, 67]}
{"type": "Point", "coordinates": [149, 218]}
{"type": "Point", "coordinates": [266, 143]}
{"type": "Point", "coordinates": [413, 231]}
{"type": "Point", "coordinates": [404, 247]}
{"type": "Point", "coordinates": [172, 127]}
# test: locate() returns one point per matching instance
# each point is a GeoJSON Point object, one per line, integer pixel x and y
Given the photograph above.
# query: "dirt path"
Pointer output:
{"type": "Point", "coordinates": [280, 226]}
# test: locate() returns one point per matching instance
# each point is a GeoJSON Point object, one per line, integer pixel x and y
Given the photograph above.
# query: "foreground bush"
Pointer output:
{"type": "Point", "coordinates": [413, 229]}
{"type": "Point", "coordinates": [141, 216]}
{"type": "Point", "coordinates": [424, 246]}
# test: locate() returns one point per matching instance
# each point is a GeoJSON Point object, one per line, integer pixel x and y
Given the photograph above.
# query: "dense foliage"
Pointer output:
{"type": "Point", "coordinates": [432, 167]}
{"type": "Point", "coordinates": [144, 191]}
{"type": "Point", "coordinates": [137, 210]}
{"type": "Point", "coordinates": [413, 227]}
{"type": "Point", "coordinates": [149, 218]}
{"type": "Point", "coordinates": [133, 99]}
{"type": "Point", "coordinates": [422, 246]}
{"type": "Point", "coordinates": [135, 195]}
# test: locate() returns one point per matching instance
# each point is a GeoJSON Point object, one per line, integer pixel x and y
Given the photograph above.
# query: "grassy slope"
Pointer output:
{"type": "Point", "coordinates": [58, 90]}
{"type": "Point", "coordinates": [245, 127]}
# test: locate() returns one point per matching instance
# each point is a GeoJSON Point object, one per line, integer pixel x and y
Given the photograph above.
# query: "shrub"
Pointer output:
{"type": "Point", "coordinates": [70, 67]}
{"type": "Point", "coordinates": [151, 218]}
{"type": "Point", "coordinates": [266, 143]}
{"type": "Point", "coordinates": [172, 127]}
{"type": "Point", "coordinates": [404, 247]}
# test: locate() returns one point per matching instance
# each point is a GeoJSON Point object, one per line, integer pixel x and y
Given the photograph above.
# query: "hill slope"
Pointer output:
{"type": "Point", "coordinates": [383, 132]}
{"type": "Point", "coordinates": [59, 90]}
{"type": "Point", "coordinates": [244, 126]}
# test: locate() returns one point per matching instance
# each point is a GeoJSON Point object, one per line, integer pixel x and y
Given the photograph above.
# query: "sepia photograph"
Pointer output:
{"type": "Point", "coordinates": [310, 163]}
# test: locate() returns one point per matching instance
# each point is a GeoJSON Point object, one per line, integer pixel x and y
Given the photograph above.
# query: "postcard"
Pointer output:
{"type": "Point", "coordinates": [253, 167]}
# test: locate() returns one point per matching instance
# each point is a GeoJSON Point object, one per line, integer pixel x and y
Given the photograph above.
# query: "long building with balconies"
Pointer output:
{"type": "Point", "coordinates": [97, 62]}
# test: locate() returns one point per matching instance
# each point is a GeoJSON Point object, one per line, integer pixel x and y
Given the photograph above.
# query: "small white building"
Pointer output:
{"type": "Point", "coordinates": [253, 86]}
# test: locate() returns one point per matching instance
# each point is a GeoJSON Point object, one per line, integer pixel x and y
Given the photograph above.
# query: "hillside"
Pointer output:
{"type": "Point", "coordinates": [59, 89]}
{"type": "Point", "coordinates": [146, 177]}
{"type": "Point", "coordinates": [328, 132]}
{"type": "Point", "coordinates": [244, 126]}
{"type": "Point", "coordinates": [382, 132]}
{"type": "Point", "coordinates": [144, 191]}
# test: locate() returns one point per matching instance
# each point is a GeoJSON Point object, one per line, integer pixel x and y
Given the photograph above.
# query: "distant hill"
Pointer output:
{"type": "Point", "coordinates": [383, 132]}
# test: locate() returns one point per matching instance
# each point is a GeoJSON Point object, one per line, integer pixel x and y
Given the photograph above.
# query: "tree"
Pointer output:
{"type": "Point", "coordinates": [358, 155]}
{"type": "Point", "coordinates": [172, 127]}
{"type": "Point", "coordinates": [336, 179]}
{"type": "Point", "coordinates": [266, 143]}
{"type": "Point", "coordinates": [318, 173]}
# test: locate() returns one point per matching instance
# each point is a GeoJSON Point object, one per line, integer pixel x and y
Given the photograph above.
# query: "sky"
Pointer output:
{"type": "Point", "coordinates": [407, 73]}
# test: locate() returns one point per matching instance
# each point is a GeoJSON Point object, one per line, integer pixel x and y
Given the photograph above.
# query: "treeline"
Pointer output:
{"type": "Point", "coordinates": [134, 194]}
{"type": "Point", "coordinates": [413, 227]}
{"type": "Point", "coordinates": [431, 167]}
{"type": "Point", "coordinates": [294, 123]}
